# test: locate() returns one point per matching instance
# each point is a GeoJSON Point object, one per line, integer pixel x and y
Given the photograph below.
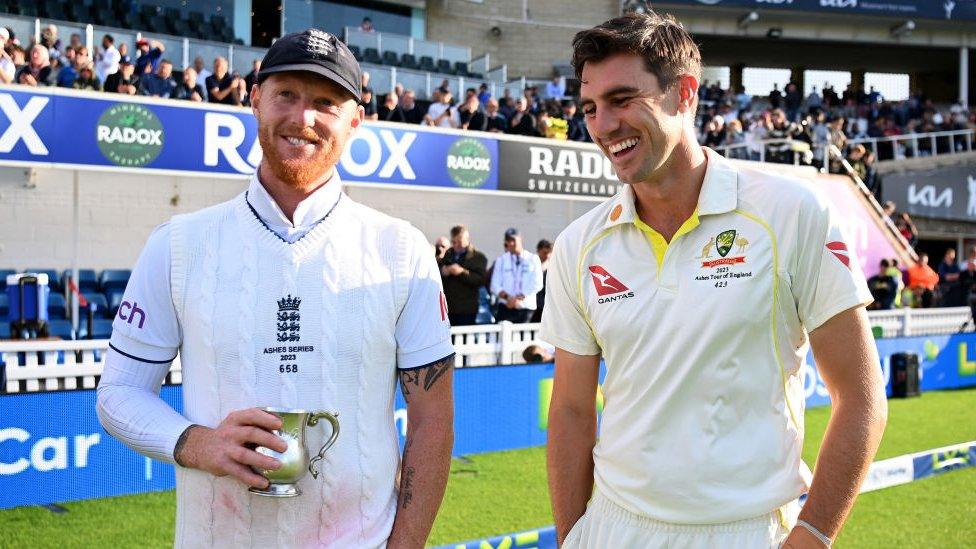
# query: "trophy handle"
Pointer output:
{"type": "Point", "coordinates": [312, 421]}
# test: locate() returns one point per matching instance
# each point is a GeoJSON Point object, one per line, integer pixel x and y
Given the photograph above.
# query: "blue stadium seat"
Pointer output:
{"type": "Point", "coordinates": [101, 329]}
{"type": "Point", "coordinates": [60, 328]}
{"type": "Point", "coordinates": [3, 278]}
{"type": "Point", "coordinates": [114, 301]}
{"type": "Point", "coordinates": [53, 281]}
{"type": "Point", "coordinates": [100, 303]}
{"type": "Point", "coordinates": [87, 281]}
{"type": "Point", "coordinates": [4, 329]}
{"type": "Point", "coordinates": [56, 307]}
{"type": "Point", "coordinates": [4, 307]}
{"type": "Point", "coordinates": [113, 279]}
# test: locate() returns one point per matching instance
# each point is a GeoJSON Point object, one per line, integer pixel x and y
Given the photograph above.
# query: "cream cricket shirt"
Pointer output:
{"type": "Point", "coordinates": [703, 340]}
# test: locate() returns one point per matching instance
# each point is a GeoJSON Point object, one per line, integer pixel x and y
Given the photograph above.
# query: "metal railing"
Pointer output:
{"type": "Point", "coordinates": [784, 151]}
{"type": "Point", "coordinates": [885, 149]}
{"type": "Point", "coordinates": [918, 145]}
{"type": "Point", "coordinates": [383, 78]}
{"type": "Point", "coordinates": [834, 153]}
{"type": "Point", "coordinates": [33, 366]}
{"type": "Point", "coordinates": [401, 44]}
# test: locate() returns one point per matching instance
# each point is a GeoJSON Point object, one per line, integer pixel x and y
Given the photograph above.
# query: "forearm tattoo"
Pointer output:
{"type": "Point", "coordinates": [180, 443]}
{"type": "Point", "coordinates": [410, 380]}
{"type": "Point", "coordinates": [406, 477]}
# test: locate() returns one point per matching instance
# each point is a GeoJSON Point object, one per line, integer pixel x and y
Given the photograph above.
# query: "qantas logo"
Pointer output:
{"type": "Point", "coordinates": [839, 249]}
{"type": "Point", "coordinates": [607, 286]}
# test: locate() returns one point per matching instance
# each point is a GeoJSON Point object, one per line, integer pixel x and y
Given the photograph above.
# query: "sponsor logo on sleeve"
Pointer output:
{"type": "Point", "coordinates": [132, 314]}
{"type": "Point", "coordinates": [839, 250]}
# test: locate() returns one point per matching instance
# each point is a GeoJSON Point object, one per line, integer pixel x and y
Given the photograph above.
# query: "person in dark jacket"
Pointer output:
{"type": "Point", "coordinates": [463, 273]}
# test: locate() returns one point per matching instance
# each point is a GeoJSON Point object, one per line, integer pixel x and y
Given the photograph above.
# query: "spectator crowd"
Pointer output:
{"type": "Point", "coordinates": [784, 126]}
{"type": "Point", "coordinates": [113, 68]}
{"type": "Point", "coordinates": [950, 284]}
{"type": "Point", "coordinates": [511, 287]}
{"type": "Point", "coordinates": [146, 71]}
{"type": "Point", "coordinates": [805, 126]}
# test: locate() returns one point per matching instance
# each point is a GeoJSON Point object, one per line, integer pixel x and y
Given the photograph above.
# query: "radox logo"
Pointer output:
{"type": "Point", "coordinates": [468, 163]}
{"type": "Point", "coordinates": [129, 135]}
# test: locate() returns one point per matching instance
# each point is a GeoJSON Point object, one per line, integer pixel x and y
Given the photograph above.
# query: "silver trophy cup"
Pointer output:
{"type": "Point", "coordinates": [295, 460]}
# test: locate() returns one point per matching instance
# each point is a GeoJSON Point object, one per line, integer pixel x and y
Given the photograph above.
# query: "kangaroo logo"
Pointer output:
{"type": "Point", "coordinates": [707, 249]}
{"type": "Point", "coordinates": [741, 244]}
{"type": "Point", "coordinates": [605, 283]}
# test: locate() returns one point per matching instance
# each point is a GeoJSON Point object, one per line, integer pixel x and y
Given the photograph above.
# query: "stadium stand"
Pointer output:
{"type": "Point", "coordinates": [4, 273]}
{"type": "Point", "coordinates": [125, 15]}
{"type": "Point", "coordinates": [98, 301]}
{"type": "Point", "coordinates": [56, 307]}
{"type": "Point", "coordinates": [101, 329]}
{"type": "Point", "coordinates": [111, 280]}
{"type": "Point", "coordinates": [87, 282]}
{"type": "Point", "coordinates": [53, 280]}
{"type": "Point", "coordinates": [103, 290]}
{"type": "Point", "coordinates": [60, 328]}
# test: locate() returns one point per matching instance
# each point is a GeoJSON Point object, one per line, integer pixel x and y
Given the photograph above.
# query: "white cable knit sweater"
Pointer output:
{"type": "Point", "coordinates": [236, 288]}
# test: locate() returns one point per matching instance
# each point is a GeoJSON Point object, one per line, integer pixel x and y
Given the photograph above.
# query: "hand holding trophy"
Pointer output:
{"type": "Point", "coordinates": [294, 460]}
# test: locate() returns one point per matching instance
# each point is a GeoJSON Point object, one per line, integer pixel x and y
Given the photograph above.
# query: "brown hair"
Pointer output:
{"type": "Point", "coordinates": [666, 47]}
{"type": "Point", "coordinates": [457, 230]}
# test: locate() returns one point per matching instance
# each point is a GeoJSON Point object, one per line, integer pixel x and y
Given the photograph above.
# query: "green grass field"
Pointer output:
{"type": "Point", "coordinates": [502, 492]}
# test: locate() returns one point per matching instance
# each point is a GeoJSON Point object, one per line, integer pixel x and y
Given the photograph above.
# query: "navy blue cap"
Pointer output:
{"type": "Point", "coordinates": [125, 60]}
{"type": "Point", "coordinates": [315, 51]}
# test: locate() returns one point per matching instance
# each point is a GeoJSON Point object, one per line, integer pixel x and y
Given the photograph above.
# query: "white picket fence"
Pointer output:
{"type": "Point", "coordinates": [33, 366]}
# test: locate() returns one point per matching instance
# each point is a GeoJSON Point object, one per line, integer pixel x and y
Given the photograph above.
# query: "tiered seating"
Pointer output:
{"type": "Point", "coordinates": [127, 15]}
{"type": "Point", "coordinates": [409, 61]}
{"type": "Point", "coordinates": [56, 307]}
{"type": "Point", "coordinates": [87, 282]}
{"type": "Point", "coordinates": [53, 280]}
{"type": "Point", "coordinates": [103, 290]}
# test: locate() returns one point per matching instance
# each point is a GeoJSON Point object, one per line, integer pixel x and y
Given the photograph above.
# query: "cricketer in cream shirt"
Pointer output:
{"type": "Point", "coordinates": [704, 341]}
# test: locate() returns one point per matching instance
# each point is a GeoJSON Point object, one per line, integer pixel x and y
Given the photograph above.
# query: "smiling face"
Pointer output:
{"type": "Point", "coordinates": [304, 123]}
{"type": "Point", "coordinates": [635, 122]}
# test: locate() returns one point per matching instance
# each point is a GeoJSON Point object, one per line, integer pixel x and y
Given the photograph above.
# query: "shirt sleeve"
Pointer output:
{"type": "Point", "coordinates": [423, 333]}
{"type": "Point", "coordinates": [533, 279]}
{"type": "Point", "coordinates": [146, 327]}
{"type": "Point", "coordinates": [496, 276]}
{"type": "Point", "coordinates": [826, 275]}
{"type": "Point", "coordinates": [130, 409]}
{"type": "Point", "coordinates": [564, 321]}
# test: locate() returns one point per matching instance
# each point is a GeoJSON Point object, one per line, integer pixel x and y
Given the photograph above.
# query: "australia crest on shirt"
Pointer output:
{"type": "Point", "coordinates": [724, 257]}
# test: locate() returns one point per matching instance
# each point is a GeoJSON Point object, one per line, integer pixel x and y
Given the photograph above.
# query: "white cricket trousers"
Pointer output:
{"type": "Point", "coordinates": [606, 525]}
